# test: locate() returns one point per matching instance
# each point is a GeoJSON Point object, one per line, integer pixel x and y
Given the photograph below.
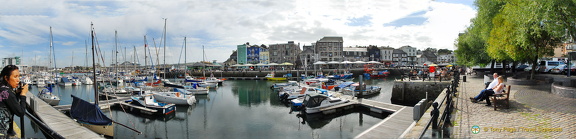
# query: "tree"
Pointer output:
{"type": "Point", "coordinates": [473, 42]}
{"type": "Point", "coordinates": [444, 51]}
{"type": "Point", "coordinates": [433, 50]}
{"type": "Point", "coordinates": [524, 32]}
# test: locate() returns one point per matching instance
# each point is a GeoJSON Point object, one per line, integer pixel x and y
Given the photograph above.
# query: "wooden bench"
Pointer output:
{"type": "Point", "coordinates": [500, 100]}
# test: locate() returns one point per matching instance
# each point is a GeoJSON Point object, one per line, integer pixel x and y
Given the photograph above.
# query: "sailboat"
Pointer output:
{"type": "Point", "coordinates": [89, 115]}
{"type": "Point", "coordinates": [47, 94]}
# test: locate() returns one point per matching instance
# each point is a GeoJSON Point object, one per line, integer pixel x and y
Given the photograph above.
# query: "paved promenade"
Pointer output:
{"type": "Point", "coordinates": [534, 113]}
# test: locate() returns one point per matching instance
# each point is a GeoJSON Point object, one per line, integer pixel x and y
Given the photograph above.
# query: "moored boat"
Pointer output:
{"type": "Point", "coordinates": [314, 102]}
{"type": "Point", "coordinates": [271, 77]}
{"type": "Point", "coordinates": [149, 102]}
{"type": "Point", "coordinates": [175, 98]}
{"type": "Point", "coordinates": [49, 97]}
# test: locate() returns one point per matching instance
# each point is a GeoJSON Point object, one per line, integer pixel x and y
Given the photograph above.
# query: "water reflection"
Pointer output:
{"type": "Point", "coordinates": [239, 109]}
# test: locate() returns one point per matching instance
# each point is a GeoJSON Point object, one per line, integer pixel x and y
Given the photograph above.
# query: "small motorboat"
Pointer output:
{"type": "Point", "coordinates": [314, 102]}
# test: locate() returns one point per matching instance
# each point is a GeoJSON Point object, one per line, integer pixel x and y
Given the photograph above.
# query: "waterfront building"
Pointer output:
{"type": "Point", "coordinates": [399, 57]}
{"type": "Point", "coordinates": [253, 54]}
{"type": "Point", "coordinates": [287, 52]}
{"type": "Point", "coordinates": [330, 48]}
{"type": "Point", "coordinates": [410, 53]}
{"type": "Point", "coordinates": [241, 54]}
{"type": "Point", "coordinates": [386, 54]}
{"type": "Point", "coordinates": [427, 57]}
{"type": "Point", "coordinates": [374, 53]}
{"type": "Point", "coordinates": [355, 53]}
{"type": "Point", "coordinates": [308, 56]}
{"type": "Point", "coordinates": [11, 61]}
{"type": "Point", "coordinates": [264, 55]}
{"type": "Point", "coordinates": [445, 58]}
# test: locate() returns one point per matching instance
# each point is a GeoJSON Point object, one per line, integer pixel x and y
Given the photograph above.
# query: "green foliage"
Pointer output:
{"type": "Point", "coordinates": [444, 51]}
{"type": "Point", "coordinates": [518, 30]}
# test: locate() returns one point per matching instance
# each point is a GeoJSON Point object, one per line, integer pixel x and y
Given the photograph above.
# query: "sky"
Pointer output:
{"type": "Point", "coordinates": [218, 26]}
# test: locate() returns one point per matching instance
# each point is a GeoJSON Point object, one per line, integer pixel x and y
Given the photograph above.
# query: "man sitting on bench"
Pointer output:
{"type": "Point", "coordinates": [488, 90]}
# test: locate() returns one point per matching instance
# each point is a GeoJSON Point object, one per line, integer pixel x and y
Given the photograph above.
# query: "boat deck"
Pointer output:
{"type": "Point", "coordinates": [59, 122]}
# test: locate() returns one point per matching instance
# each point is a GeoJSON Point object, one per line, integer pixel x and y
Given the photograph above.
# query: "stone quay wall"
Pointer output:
{"type": "Point", "coordinates": [408, 93]}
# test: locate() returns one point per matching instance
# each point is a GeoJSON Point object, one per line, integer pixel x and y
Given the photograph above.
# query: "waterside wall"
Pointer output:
{"type": "Point", "coordinates": [408, 93]}
{"type": "Point", "coordinates": [279, 73]}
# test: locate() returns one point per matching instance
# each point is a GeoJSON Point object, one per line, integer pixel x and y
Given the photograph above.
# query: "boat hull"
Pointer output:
{"type": "Point", "coordinates": [276, 78]}
{"type": "Point", "coordinates": [52, 102]}
{"type": "Point", "coordinates": [106, 130]}
{"type": "Point", "coordinates": [188, 100]}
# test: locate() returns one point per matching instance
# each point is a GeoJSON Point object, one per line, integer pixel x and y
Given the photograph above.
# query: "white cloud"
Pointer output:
{"type": "Point", "coordinates": [221, 25]}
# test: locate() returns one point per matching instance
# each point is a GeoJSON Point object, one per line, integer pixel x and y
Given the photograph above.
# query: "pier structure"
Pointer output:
{"type": "Point", "coordinates": [392, 126]}
{"type": "Point", "coordinates": [58, 121]}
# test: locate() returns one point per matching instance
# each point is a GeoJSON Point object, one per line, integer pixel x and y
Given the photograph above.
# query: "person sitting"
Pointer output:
{"type": "Point", "coordinates": [499, 88]}
{"type": "Point", "coordinates": [488, 88]}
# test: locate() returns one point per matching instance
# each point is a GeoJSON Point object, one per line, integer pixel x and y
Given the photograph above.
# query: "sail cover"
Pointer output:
{"type": "Point", "coordinates": [87, 112]}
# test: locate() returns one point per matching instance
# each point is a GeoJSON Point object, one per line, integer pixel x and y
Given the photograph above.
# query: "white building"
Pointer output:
{"type": "Point", "coordinates": [386, 53]}
{"type": "Point", "coordinates": [448, 58]}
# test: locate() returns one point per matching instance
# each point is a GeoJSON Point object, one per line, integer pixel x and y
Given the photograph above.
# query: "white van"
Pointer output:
{"type": "Point", "coordinates": [545, 66]}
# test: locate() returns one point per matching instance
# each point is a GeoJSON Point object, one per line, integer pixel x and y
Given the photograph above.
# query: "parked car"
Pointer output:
{"type": "Point", "coordinates": [558, 69]}
{"type": "Point", "coordinates": [572, 70]}
{"type": "Point", "coordinates": [545, 66]}
{"type": "Point", "coordinates": [529, 68]}
{"type": "Point", "coordinates": [521, 67]}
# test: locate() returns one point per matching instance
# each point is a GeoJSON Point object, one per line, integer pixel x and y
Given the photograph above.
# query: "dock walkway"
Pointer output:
{"type": "Point", "coordinates": [392, 126]}
{"type": "Point", "coordinates": [59, 122]}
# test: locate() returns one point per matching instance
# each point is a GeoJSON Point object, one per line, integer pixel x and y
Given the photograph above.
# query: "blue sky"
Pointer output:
{"type": "Point", "coordinates": [220, 25]}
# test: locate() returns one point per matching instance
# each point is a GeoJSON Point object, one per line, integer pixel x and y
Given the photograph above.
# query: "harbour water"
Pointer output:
{"type": "Point", "coordinates": [238, 109]}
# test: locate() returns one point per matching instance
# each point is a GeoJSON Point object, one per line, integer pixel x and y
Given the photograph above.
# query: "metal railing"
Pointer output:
{"type": "Point", "coordinates": [446, 101]}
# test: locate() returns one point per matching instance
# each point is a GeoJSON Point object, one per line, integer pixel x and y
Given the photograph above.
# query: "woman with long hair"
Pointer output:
{"type": "Point", "coordinates": [11, 93]}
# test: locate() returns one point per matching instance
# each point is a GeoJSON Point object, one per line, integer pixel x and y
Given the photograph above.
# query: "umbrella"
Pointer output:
{"type": "Point", "coordinates": [449, 66]}
{"type": "Point", "coordinates": [287, 63]}
{"type": "Point", "coordinates": [333, 62]}
{"type": "Point", "coordinates": [433, 65]}
{"type": "Point", "coordinates": [261, 64]}
{"type": "Point", "coordinates": [236, 65]}
{"type": "Point", "coordinates": [359, 62]}
{"type": "Point", "coordinates": [273, 64]}
{"type": "Point", "coordinates": [319, 63]}
{"type": "Point", "coordinates": [374, 62]}
{"type": "Point", "coordinates": [346, 62]}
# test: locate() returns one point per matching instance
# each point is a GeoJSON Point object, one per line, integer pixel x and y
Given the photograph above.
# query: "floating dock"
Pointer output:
{"type": "Point", "coordinates": [58, 122]}
{"type": "Point", "coordinates": [392, 126]}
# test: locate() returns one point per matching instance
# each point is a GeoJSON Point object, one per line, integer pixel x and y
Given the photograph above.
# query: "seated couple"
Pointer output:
{"type": "Point", "coordinates": [494, 87]}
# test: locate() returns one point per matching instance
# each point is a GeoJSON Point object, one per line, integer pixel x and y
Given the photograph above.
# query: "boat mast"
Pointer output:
{"type": "Point", "coordinates": [145, 56]}
{"type": "Point", "coordinates": [185, 66]}
{"type": "Point", "coordinates": [94, 66]}
{"type": "Point", "coordinates": [203, 60]}
{"type": "Point", "coordinates": [86, 52]}
{"type": "Point", "coordinates": [116, 58]}
{"type": "Point", "coordinates": [165, 47]}
{"type": "Point", "coordinates": [50, 54]}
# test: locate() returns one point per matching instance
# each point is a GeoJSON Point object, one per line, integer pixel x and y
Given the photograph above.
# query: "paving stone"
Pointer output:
{"type": "Point", "coordinates": [532, 109]}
